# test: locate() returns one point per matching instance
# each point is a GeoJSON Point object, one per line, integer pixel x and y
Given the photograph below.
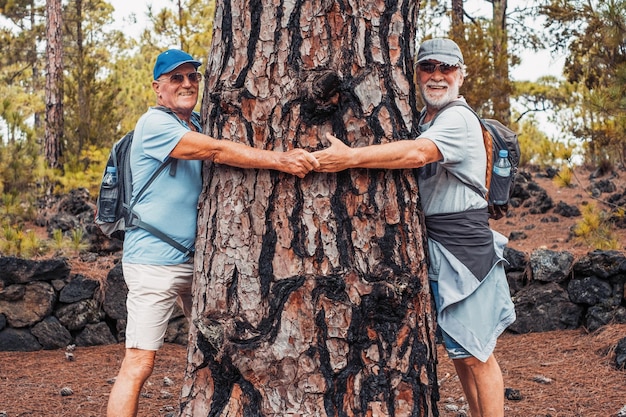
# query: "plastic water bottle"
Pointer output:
{"type": "Point", "coordinates": [501, 180]}
{"type": "Point", "coordinates": [502, 167]}
{"type": "Point", "coordinates": [108, 195]}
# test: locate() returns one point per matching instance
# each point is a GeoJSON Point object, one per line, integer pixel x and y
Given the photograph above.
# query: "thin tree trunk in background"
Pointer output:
{"type": "Point", "coordinates": [457, 13]}
{"type": "Point", "coordinates": [181, 36]}
{"type": "Point", "coordinates": [311, 295]}
{"type": "Point", "coordinates": [457, 30]}
{"type": "Point", "coordinates": [35, 62]}
{"type": "Point", "coordinates": [54, 83]}
{"type": "Point", "coordinates": [502, 90]}
{"type": "Point", "coordinates": [81, 80]}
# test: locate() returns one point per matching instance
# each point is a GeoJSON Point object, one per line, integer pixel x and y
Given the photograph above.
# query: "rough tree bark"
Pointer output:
{"type": "Point", "coordinates": [54, 83]}
{"type": "Point", "coordinates": [311, 296]}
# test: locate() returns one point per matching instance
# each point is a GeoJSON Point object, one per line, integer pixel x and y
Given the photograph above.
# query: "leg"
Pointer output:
{"type": "Point", "coordinates": [136, 368]}
{"type": "Point", "coordinates": [152, 293]}
{"type": "Point", "coordinates": [483, 385]}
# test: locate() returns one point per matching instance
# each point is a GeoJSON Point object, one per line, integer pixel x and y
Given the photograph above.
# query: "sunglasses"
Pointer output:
{"type": "Point", "coordinates": [178, 78]}
{"type": "Point", "coordinates": [443, 68]}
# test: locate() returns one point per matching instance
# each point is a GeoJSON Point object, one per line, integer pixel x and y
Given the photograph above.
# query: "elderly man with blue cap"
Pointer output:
{"type": "Point", "coordinates": [466, 270]}
{"type": "Point", "coordinates": [157, 274]}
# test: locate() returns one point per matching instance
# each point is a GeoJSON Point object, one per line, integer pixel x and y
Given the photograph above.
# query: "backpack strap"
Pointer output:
{"type": "Point", "coordinates": [135, 221]}
{"type": "Point", "coordinates": [487, 141]}
{"type": "Point", "coordinates": [174, 162]}
{"type": "Point", "coordinates": [156, 232]}
{"type": "Point", "coordinates": [195, 120]}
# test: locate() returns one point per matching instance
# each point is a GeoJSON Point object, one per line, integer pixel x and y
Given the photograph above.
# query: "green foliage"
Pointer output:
{"type": "Point", "coordinates": [538, 149]}
{"type": "Point", "coordinates": [84, 172]}
{"type": "Point", "coordinates": [594, 33]}
{"type": "Point", "coordinates": [90, 114]}
{"type": "Point", "coordinates": [12, 208]}
{"type": "Point", "coordinates": [78, 241]}
{"type": "Point", "coordinates": [595, 229]}
{"type": "Point", "coordinates": [16, 162]}
{"type": "Point", "coordinates": [480, 68]}
{"type": "Point", "coordinates": [564, 177]}
{"type": "Point", "coordinates": [14, 241]}
{"type": "Point", "coordinates": [545, 94]}
{"type": "Point", "coordinates": [10, 241]}
{"type": "Point", "coordinates": [133, 76]}
{"type": "Point", "coordinates": [17, 208]}
{"type": "Point", "coordinates": [31, 245]}
{"type": "Point", "coordinates": [62, 244]}
{"type": "Point", "coordinates": [59, 243]}
{"type": "Point", "coordinates": [21, 69]}
{"type": "Point", "coordinates": [189, 26]}
{"type": "Point", "coordinates": [24, 171]}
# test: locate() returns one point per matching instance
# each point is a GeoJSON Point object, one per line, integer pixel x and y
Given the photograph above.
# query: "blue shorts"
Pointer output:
{"type": "Point", "coordinates": [454, 349]}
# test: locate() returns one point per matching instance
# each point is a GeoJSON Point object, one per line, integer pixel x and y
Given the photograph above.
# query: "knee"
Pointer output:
{"type": "Point", "coordinates": [138, 365]}
{"type": "Point", "coordinates": [476, 366]}
{"type": "Point", "coordinates": [470, 362]}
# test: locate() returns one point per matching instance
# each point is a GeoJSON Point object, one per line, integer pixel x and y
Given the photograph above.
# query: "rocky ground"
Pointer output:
{"type": "Point", "coordinates": [553, 374]}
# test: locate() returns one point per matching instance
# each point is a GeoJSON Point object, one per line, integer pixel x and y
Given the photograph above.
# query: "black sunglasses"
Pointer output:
{"type": "Point", "coordinates": [443, 68]}
{"type": "Point", "coordinates": [178, 78]}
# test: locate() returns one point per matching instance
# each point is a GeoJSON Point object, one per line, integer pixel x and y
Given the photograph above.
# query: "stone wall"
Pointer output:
{"type": "Point", "coordinates": [43, 305]}
{"type": "Point", "coordinates": [553, 291]}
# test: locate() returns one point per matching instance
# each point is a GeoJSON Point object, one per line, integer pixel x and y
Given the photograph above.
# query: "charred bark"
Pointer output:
{"type": "Point", "coordinates": [311, 295]}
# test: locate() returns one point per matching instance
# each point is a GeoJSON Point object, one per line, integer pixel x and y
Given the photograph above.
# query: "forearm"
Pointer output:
{"type": "Point", "coordinates": [395, 155]}
{"type": "Point", "coordinates": [242, 156]}
{"type": "Point", "coordinates": [198, 146]}
{"type": "Point", "coordinates": [202, 147]}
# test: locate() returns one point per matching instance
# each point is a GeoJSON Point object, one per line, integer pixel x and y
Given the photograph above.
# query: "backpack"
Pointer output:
{"type": "Point", "coordinates": [496, 137]}
{"type": "Point", "coordinates": [114, 210]}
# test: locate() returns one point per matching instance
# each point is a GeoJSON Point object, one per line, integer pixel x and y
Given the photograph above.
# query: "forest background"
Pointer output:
{"type": "Point", "coordinates": [71, 84]}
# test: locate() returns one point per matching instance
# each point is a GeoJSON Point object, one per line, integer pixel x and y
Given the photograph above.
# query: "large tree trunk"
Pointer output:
{"type": "Point", "coordinates": [311, 296]}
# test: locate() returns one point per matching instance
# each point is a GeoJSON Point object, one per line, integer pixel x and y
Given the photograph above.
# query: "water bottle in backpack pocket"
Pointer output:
{"type": "Point", "coordinates": [109, 191]}
{"type": "Point", "coordinates": [501, 179]}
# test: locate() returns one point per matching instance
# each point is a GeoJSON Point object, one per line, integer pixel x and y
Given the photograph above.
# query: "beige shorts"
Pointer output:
{"type": "Point", "coordinates": [153, 291]}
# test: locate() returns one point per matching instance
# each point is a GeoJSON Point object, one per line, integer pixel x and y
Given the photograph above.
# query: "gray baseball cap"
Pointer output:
{"type": "Point", "coordinates": [440, 49]}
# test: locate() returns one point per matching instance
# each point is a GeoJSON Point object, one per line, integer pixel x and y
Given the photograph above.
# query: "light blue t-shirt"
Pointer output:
{"type": "Point", "coordinates": [171, 202]}
{"type": "Point", "coordinates": [458, 135]}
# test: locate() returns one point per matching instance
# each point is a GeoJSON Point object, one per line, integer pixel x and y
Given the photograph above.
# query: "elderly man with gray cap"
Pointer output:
{"type": "Point", "coordinates": [466, 270]}
{"type": "Point", "coordinates": [157, 273]}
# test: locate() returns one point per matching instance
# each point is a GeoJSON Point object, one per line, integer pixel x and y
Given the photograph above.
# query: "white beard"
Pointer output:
{"type": "Point", "coordinates": [438, 101]}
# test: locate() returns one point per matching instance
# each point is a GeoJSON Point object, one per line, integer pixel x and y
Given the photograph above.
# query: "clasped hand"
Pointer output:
{"type": "Point", "coordinates": [334, 158]}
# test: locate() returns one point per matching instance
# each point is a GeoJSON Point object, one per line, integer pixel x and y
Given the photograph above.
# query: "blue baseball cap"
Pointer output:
{"type": "Point", "coordinates": [172, 59]}
{"type": "Point", "coordinates": [440, 49]}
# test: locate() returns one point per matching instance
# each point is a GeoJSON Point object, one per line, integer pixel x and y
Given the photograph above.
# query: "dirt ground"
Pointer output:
{"type": "Point", "coordinates": [543, 231]}
{"type": "Point", "coordinates": [557, 374]}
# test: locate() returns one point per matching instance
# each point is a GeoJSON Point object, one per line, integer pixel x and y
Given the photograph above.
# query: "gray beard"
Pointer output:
{"type": "Point", "coordinates": [452, 94]}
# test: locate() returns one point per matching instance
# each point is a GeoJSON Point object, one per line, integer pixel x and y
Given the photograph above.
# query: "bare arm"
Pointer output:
{"type": "Point", "coordinates": [194, 145]}
{"type": "Point", "coordinates": [395, 155]}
